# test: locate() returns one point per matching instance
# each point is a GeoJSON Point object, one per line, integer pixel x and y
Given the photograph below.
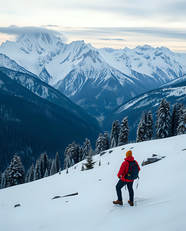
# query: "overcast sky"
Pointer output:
{"type": "Point", "coordinates": [103, 23]}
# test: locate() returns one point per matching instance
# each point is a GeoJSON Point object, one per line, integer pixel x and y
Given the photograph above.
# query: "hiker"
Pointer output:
{"type": "Point", "coordinates": [122, 175]}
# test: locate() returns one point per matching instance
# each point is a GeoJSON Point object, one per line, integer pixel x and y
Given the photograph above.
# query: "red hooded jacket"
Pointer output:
{"type": "Point", "coordinates": [125, 168]}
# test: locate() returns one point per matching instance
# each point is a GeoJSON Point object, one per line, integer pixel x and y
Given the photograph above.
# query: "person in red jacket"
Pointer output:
{"type": "Point", "coordinates": [123, 181]}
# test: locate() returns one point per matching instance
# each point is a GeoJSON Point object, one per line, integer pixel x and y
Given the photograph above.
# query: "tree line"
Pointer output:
{"type": "Point", "coordinates": [167, 124]}
{"type": "Point", "coordinates": [15, 173]}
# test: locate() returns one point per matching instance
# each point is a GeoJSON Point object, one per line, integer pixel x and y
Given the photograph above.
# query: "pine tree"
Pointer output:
{"type": "Point", "coordinates": [114, 134]}
{"type": "Point", "coordinates": [86, 148]}
{"type": "Point", "coordinates": [106, 141]}
{"type": "Point", "coordinates": [99, 144]}
{"type": "Point", "coordinates": [58, 165]}
{"type": "Point", "coordinates": [31, 173]}
{"type": "Point", "coordinates": [102, 143]}
{"type": "Point", "coordinates": [80, 154]}
{"type": "Point", "coordinates": [89, 160]}
{"type": "Point", "coordinates": [45, 162]}
{"type": "Point", "coordinates": [181, 129]}
{"type": "Point", "coordinates": [3, 180]}
{"type": "Point", "coordinates": [164, 121]}
{"type": "Point", "coordinates": [74, 153]}
{"type": "Point", "coordinates": [142, 128]}
{"type": "Point", "coordinates": [180, 110]}
{"type": "Point", "coordinates": [112, 139]}
{"type": "Point", "coordinates": [117, 132]}
{"type": "Point", "coordinates": [175, 119]}
{"type": "Point", "coordinates": [15, 172]}
{"type": "Point", "coordinates": [68, 157]}
{"type": "Point", "coordinates": [26, 177]}
{"type": "Point", "coordinates": [71, 155]}
{"type": "Point", "coordinates": [149, 130]}
{"type": "Point", "coordinates": [41, 165]}
{"type": "Point", "coordinates": [49, 165]}
{"type": "Point", "coordinates": [37, 172]}
{"type": "Point", "coordinates": [124, 132]}
{"type": "Point", "coordinates": [53, 169]}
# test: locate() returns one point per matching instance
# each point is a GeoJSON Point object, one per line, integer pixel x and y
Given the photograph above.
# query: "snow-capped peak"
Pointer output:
{"type": "Point", "coordinates": [68, 66]}
{"type": "Point", "coordinates": [44, 37]}
{"type": "Point", "coordinates": [144, 48]}
{"type": "Point", "coordinates": [41, 42]}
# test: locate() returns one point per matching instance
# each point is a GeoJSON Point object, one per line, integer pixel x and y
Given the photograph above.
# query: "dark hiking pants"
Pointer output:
{"type": "Point", "coordinates": [120, 185]}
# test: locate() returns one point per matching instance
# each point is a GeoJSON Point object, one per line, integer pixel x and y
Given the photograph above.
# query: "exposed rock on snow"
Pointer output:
{"type": "Point", "coordinates": [17, 205]}
{"type": "Point", "coordinates": [152, 159]}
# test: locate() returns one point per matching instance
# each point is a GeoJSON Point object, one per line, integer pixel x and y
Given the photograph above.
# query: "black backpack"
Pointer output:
{"type": "Point", "coordinates": [133, 171]}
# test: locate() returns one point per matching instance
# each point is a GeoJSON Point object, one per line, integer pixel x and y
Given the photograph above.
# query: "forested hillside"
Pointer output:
{"type": "Point", "coordinates": [30, 125]}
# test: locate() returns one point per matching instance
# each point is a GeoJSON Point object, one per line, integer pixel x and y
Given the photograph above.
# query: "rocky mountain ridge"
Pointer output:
{"type": "Point", "coordinates": [96, 79]}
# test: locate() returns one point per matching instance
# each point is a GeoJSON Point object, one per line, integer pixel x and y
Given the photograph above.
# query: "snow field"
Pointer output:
{"type": "Point", "coordinates": [159, 199]}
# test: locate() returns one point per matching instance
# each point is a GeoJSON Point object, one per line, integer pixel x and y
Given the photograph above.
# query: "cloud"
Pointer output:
{"type": "Point", "coordinates": [112, 39]}
{"type": "Point", "coordinates": [158, 32]}
{"type": "Point", "coordinates": [157, 10]}
{"type": "Point", "coordinates": [174, 8]}
{"type": "Point", "coordinates": [15, 30]}
{"type": "Point", "coordinates": [107, 33]}
{"type": "Point", "coordinates": [19, 31]}
{"type": "Point", "coordinates": [54, 26]}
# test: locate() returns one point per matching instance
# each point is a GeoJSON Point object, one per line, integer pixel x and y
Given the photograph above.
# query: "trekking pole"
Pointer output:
{"type": "Point", "coordinates": [137, 183]}
{"type": "Point", "coordinates": [136, 191]}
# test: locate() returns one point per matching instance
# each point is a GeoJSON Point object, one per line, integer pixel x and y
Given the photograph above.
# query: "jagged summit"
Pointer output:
{"type": "Point", "coordinates": [144, 47]}
{"type": "Point", "coordinates": [40, 42]}
{"type": "Point", "coordinates": [45, 37]}
{"type": "Point", "coordinates": [90, 76]}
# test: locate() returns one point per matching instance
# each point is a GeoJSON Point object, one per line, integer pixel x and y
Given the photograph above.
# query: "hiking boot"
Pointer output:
{"type": "Point", "coordinates": [118, 202]}
{"type": "Point", "coordinates": [131, 203]}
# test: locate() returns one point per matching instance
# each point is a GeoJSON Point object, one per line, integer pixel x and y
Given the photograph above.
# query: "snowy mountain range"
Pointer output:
{"type": "Point", "coordinates": [159, 205]}
{"type": "Point", "coordinates": [96, 79]}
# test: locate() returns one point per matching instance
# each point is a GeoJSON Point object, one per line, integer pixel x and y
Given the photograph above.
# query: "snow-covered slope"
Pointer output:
{"type": "Point", "coordinates": [159, 198]}
{"type": "Point", "coordinates": [6, 62]}
{"type": "Point", "coordinates": [176, 81]}
{"type": "Point", "coordinates": [96, 79]}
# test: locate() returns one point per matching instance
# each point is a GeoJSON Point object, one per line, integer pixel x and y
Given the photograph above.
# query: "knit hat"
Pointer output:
{"type": "Point", "coordinates": [128, 153]}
